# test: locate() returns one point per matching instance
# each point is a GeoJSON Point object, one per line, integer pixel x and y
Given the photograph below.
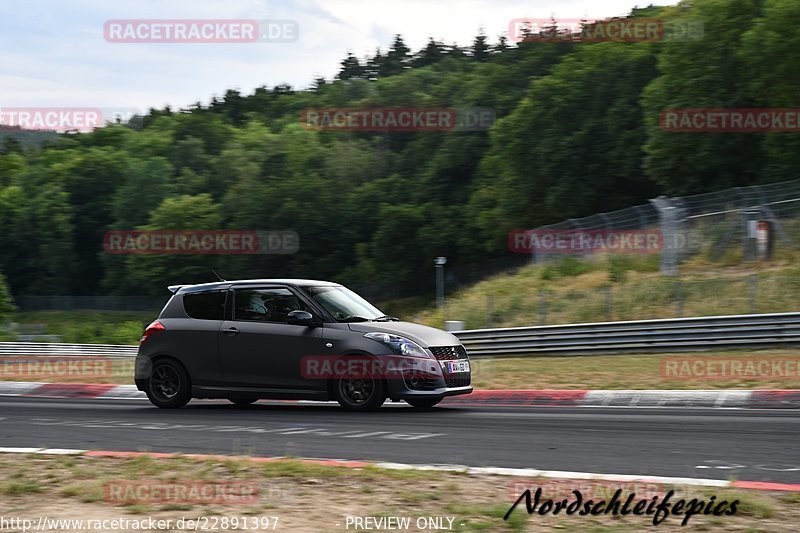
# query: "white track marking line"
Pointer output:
{"type": "Point", "coordinates": [470, 470]}
{"type": "Point", "coordinates": [556, 474]}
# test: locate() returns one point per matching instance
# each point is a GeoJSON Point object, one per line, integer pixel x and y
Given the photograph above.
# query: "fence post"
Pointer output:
{"type": "Point", "coordinates": [669, 217]}
{"type": "Point", "coordinates": [608, 303]}
{"type": "Point", "coordinates": [753, 285]}
{"type": "Point", "coordinates": [489, 310]}
{"type": "Point", "coordinates": [679, 297]}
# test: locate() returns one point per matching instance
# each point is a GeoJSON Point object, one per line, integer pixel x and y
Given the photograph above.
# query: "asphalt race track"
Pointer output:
{"type": "Point", "coordinates": [751, 445]}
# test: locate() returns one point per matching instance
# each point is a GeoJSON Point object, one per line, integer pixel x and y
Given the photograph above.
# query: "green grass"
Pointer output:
{"type": "Point", "coordinates": [298, 469]}
{"type": "Point", "coordinates": [16, 488]}
{"type": "Point", "coordinates": [626, 371]}
{"type": "Point", "coordinates": [90, 327]}
{"type": "Point", "coordinates": [753, 504]}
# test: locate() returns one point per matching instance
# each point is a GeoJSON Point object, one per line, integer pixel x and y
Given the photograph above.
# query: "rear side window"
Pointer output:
{"type": "Point", "coordinates": [205, 305]}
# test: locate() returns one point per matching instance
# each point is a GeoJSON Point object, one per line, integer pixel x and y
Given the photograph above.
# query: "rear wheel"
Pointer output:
{"type": "Point", "coordinates": [363, 393]}
{"type": "Point", "coordinates": [168, 386]}
{"type": "Point", "coordinates": [243, 401]}
{"type": "Point", "coordinates": [423, 403]}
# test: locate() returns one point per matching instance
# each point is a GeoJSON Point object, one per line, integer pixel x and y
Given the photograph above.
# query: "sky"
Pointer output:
{"type": "Point", "coordinates": [55, 52]}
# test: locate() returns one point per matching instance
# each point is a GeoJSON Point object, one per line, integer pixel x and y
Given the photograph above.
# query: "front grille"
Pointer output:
{"type": "Point", "coordinates": [457, 380]}
{"type": "Point", "coordinates": [448, 353]}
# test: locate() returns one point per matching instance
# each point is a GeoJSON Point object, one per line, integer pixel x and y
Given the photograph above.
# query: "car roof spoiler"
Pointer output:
{"type": "Point", "coordinates": [175, 288]}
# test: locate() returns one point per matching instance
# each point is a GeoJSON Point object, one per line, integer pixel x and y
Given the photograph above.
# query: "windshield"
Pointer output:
{"type": "Point", "coordinates": [344, 304]}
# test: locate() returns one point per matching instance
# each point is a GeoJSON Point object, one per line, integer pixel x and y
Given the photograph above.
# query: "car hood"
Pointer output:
{"type": "Point", "coordinates": [423, 335]}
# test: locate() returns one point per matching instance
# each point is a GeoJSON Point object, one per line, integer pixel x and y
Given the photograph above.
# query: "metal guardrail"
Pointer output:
{"type": "Point", "coordinates": [673, 334]}
{"type": "Point", "coordinates": [42, 349]}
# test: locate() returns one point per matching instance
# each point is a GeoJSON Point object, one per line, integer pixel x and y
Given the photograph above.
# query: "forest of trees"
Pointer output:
{"type": "Point", "coordinates": [577, 133]}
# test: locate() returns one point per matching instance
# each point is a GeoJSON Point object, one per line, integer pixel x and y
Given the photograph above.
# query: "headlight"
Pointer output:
{"type": "Point", "coordinates": [399, 345]}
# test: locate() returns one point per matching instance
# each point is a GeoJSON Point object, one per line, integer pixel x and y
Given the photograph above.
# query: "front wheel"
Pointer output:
{"type": "Point", "coordinates": [423, 403]}
{"type": "Point", "coordinates": [364, 393]}
{"type": "Point", "coordinates": [168, 386]}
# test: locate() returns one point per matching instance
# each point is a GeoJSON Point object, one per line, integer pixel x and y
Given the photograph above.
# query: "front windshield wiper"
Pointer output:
{"type": "Point", "coordinates": [386, 318]}
{"type": "Point", "coordinates": [354, 318]}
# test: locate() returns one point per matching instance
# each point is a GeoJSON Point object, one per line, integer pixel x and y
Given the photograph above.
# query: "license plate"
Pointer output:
{"type": "Point", "coordinates": [456, 367]}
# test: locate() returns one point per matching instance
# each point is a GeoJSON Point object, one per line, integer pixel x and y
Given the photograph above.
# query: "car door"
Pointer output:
{"type": "Point", "coordinates": [195, 340]}
{"type": "Point", "coordinates": [259, 349]}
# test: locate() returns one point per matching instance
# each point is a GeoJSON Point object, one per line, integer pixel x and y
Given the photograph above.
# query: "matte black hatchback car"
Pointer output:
{"type": "Point", "coordinates": [293, 339]}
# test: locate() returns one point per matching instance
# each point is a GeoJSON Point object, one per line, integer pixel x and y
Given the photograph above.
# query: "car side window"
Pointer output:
{"type": "Point", "coordinates": [266, 305]}
{"type": "Point", "coordinates": [208, 305]}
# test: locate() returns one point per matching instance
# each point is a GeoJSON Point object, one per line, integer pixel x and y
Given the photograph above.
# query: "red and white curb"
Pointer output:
{"type": "Point", "coordinates": [723, 398]}
{"type": "Point", "coordinates": [71, 390]}
{"type": "Point", "coordinates": [469, 470]}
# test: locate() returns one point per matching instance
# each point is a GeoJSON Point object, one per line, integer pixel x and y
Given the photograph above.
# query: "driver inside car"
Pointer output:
{"type": "Point", "coordinates": [257, 307]}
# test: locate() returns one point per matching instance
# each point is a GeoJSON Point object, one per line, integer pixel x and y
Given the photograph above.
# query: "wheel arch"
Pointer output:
{"type": "Point", "coordinates": [165, 356]}
{"type": "Point", "coordinates": [331, 382]}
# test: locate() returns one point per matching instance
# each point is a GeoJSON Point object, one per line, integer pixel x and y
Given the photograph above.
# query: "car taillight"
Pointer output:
{"type": "Point", "coordinates": [152, 328]}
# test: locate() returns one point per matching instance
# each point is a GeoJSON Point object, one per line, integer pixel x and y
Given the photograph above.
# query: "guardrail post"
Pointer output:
{"type": "Point", "coordinates": [608, 303]}
{"type": "Point", "coordinates": [489, 310]}
{"type": "Point", "coordinates": [679, 297]}
{"type": "Point", "coordinates": [753, 286]}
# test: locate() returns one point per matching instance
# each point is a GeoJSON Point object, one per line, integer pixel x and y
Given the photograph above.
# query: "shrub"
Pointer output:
{"type": "Point", "coordinates": [7, 307]}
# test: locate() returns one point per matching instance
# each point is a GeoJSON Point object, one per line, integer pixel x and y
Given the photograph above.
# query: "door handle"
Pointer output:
{"type": "Point", "coordinates": [230, 331]}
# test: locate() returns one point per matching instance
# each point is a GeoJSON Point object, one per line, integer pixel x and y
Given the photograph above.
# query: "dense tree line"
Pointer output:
{"type": "Point", "coordinates": [577, 133]}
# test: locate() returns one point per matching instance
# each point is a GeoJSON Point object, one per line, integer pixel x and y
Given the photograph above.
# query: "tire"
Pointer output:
{"type": "Point", "coordinates": [168, 386]}
{"type": "Point", "coordinates": [360, 394]}
{"type": "Point", "coordinates": [243, 401]}
{"type": "Point", "coordinates": [423, 403]}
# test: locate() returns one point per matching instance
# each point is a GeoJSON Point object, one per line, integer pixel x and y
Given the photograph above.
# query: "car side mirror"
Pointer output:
{"type": "Point", "coordinates": [301, 318]}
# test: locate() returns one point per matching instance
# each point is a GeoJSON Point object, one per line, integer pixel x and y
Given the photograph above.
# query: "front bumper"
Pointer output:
{"type": "Point", "coordinates": [429, 380]}
{"type": "Point", "coordinates": [436, 393]}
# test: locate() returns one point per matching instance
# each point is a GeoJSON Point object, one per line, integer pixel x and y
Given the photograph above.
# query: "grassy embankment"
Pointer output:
{"type": "Point", "coordinates": [308, 497]}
